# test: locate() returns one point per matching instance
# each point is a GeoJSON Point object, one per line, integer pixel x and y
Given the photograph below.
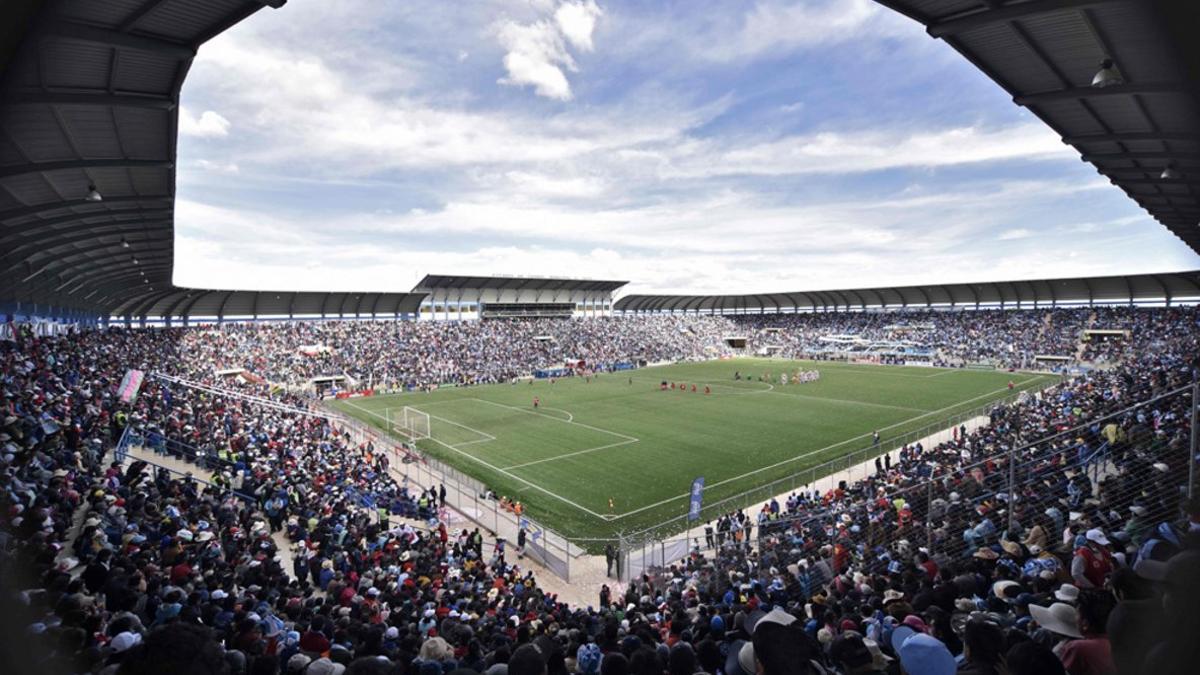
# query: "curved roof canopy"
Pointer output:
{"type": "Point", "coordinates": [1041, 292]}
{"type": "Point", "coordinates": [440, 281]}
{"type": "Point", "coordinates": [185, 303]}
{"type": "Point", "coordinates": [89, 98]}
{"type": "Point", "coordinates": [89, 94]}
{"type": "Point", "coordinates": [1046, 54]}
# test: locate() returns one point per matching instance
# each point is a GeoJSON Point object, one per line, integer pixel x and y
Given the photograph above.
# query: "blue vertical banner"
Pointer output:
{"type": "Point", "coordinates": [697, 499]}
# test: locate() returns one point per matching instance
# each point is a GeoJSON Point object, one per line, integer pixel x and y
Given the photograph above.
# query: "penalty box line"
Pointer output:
{"type": "Point", "coordinates": [625, 439]}
{"type": "Point", "coordinates": [497, 469]}
{"type": "Point", "coordinates": [557, 419]}
{"type": "Point", "coordinates": [743, 391]}
{"type": "Point", "coordinates": [818, 451]}
{"type": "Point", "coordinates": [572, 454]}
{"type": "Point", "coordinates": [486, 436]}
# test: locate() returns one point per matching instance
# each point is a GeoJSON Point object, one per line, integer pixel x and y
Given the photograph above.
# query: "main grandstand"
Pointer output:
{"type": "Point", "coordinates": [545, 475]}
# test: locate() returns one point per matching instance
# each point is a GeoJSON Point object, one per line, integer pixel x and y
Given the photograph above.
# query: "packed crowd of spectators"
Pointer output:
{"type": "Point", "coordinates": [933, 564]}
{"type": "Point", "coordinates": [405, 354]}
{"type": "Point", "coordinates": [412, 354]}
{"type": "Point", "coordinates": [1006, 338]}
{"type": "Point", "coordinates": [1141, 329]}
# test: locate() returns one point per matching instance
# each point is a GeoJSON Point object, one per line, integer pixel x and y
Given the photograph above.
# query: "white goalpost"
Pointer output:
{"type": "Point", "coordinates": [410, 422]}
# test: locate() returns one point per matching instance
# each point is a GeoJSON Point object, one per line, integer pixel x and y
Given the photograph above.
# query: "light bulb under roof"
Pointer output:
{"type": "Point", "coordinates": [1107, 76]}
{"type": "Point", "coordinates": [93, 195]}
{"type": "Point", "coordinates": [1170, 173]}
{"type": "Point", "coordinates": [124, 242]}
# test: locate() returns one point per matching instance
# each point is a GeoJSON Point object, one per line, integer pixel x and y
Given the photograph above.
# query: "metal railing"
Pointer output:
{"type": "Point", "coordinates": [132, 438]}
{"type": "Point", "coordinates": [470, 497]}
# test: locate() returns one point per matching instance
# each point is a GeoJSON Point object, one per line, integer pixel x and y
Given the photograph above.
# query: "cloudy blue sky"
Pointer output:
{"type": "Point", "coordinates": [688, 146]}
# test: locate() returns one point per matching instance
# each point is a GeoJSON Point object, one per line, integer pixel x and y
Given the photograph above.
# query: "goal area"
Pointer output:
{"type": "Point", "coordinates": [409, 422]}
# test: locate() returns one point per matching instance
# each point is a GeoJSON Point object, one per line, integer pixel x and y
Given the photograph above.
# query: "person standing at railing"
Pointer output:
{"type": "Point", "coordinates": [276, 508]}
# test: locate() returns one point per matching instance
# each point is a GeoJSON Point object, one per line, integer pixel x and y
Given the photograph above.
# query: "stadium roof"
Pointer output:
{"type": "Point", "coordinates": [440, 281]}
{"type": "Point", "coordinates": [185, 303]}
{"type": "Point", "coordinates": [89, 97]}
{"type": "Point", "coordinates": [1046, 54]}
{"type": "Point", "coordinates": [1139, 288]}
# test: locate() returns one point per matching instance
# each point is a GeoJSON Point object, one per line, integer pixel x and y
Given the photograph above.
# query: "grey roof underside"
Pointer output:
{"type": "Point", "coordinates": [89, 95]}
{"type": "Point", "coordinates": [1120, 289]}
{"type": "Point", "coordinates": [189, 302]}
{"type": "Point", "coordinates": [443, 281]}
{"type": "Point", "coordinates": [1045, 52]}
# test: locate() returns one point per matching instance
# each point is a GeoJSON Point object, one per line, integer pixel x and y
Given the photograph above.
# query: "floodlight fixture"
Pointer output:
{"type": "Point", "coordinates": [1107, 76]}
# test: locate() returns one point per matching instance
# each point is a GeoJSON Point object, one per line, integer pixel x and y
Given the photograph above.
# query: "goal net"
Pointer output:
{"type": "Point", "coordinates": [411, 423]}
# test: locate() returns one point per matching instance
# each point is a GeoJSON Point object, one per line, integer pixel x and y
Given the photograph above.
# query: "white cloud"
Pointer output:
{"type": "Point", "coordinates": [536, 53]}
{"type": "Point", "coordinates": [209, 125]}
{"type": "Point", "coordinates": [279, 95]}
{"type": "Point", "coordinates": [527, 183]}
{"type": "Point", "coordinates": [218, 167]}
{"type": "Point", "coordinates": [577, 21]}
{"type": "Point", "coordinates": [723, 242]}
{"type": "Point", "coordinates": [731, 33]}
{"type": "Point", "coordinates": [261, 250]}
{"type": "Point", "coordinates": [865, 151]}
{"type": "Point", "coordinates": [283, 95]}
{"type": "Point", "coordinates": [1015, 233]}
{"type": "Point", "coordinates": [419, 162]}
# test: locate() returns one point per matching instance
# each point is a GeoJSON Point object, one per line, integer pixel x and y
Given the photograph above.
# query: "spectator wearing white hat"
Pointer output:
{"type": "Point", "coordinates": [1093, 562]}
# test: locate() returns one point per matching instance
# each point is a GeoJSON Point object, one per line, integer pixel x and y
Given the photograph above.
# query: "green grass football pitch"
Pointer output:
{"type": "Point", "coordinates": [619, 437]}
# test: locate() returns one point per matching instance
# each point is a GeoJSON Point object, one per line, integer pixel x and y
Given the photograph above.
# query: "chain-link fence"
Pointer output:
{"type": "Point", "coordinates": [1125, 473]}
{"type": "Point", "coordinates": [850, 466]}
{"type": "Point", "coordinates": [470, 498]}
{"type": "Point", "coordinates": [646, 547]}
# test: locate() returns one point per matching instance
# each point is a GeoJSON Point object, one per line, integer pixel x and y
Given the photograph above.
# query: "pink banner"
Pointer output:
{"type": "Point", "coordinates": [130, 385]}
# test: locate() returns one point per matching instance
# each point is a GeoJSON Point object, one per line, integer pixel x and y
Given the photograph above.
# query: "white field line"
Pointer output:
{"type": "Point", "coordinates": [486, 436]}
{"type": "Point", "coordinates": [571, 454]}
{"type": "Point", "coordinates": [570, 417]}
{"type": "Point", "coordinates": [426, 404]}
{"type": "Point", "coordinates": [816, 452]}
{"type": "Point", "coordinates": [498, 469]}
{"type": "Point", "coordinates": [846, 400]}
{"type": "Point", "coordinates": [741, 391]}
{"type": "Point", "coordinates": [557, 419]}
{"type": "Point", "coordinates": [891, 371]}
{"type": "Point", "coordinates": [481, 440]}
{"type": "Point", "coordinates": [771, 389]}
